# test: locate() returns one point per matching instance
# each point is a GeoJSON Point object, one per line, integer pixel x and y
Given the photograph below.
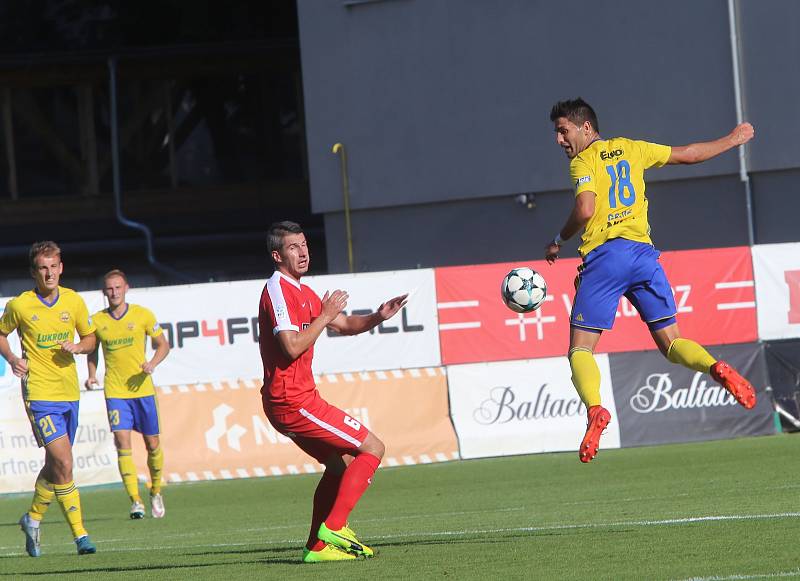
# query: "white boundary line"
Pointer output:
{"type": "Point", "coordinates": [795, 573]}
{"type": "Point", "coordinates": [453, 533]}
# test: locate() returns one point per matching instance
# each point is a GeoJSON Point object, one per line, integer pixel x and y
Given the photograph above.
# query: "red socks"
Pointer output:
{"type": "Point", "coordinates": [354, 482]}
{"type": "Point", "coordinates": [324, 497]}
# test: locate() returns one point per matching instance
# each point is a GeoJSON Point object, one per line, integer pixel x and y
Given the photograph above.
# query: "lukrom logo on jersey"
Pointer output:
{"type": "Point", "coordinates": [658, 394]}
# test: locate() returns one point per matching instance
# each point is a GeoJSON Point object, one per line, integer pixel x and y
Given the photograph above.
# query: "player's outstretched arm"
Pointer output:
{"type": "Point", "coordinates": [355, 324]}
{"type": "Point", "coordinates": [699, 152]}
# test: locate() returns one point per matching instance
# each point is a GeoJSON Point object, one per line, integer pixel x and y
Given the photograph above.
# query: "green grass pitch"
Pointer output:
{"type": "Point", "coordinates": [710, 511]}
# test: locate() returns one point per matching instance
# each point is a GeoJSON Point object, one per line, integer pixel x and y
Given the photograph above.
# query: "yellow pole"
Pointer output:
{"type": "Point", "coordinates": [339, 148]}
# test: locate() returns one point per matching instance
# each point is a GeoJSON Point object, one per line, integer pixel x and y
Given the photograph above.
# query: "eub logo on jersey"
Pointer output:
{"type": "Point", "coordinates": [605, 155]}
{"type": "Point", "coordinates": [582, 180]}
{"type": "Point", "coordinates": [64, 316]}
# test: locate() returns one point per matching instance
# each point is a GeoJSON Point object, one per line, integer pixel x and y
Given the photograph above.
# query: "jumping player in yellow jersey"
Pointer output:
{"type": "Point", "coordinates": [46, 319]}
{"type": "Point", "coordinates": [130, 394]}
{"type": "Point", "coordinates": [618, 256]}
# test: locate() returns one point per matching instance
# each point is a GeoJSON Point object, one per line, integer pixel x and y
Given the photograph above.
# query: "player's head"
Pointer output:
{"type": "Point", "coordinates": [115, 285]}
{"type": "Point", "coordinates": [46, 265]}
{"type": "Point", "coordinates": [287, 246]}
{"type": "Point", "coordinates": [575, 123]}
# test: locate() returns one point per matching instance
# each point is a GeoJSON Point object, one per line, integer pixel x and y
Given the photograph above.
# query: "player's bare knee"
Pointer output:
{"type": "Point", "coordinates": [60, 469]}
{"type": "Point", "coordinates": [122, 439]}
{"type": "Point", "coordinates": [151, 443]}
{"type": "Point", "coordinates": [373, 445]}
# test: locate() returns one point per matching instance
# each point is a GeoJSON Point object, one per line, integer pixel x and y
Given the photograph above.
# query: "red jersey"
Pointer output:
{"type": "Point", "coordinates": [286, 305]}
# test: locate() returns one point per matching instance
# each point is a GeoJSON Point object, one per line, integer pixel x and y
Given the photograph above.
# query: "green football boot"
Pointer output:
{"type": "Point", "coordinates": [327, 553]}
{"type": "Point", "coordinates": [345, 539]}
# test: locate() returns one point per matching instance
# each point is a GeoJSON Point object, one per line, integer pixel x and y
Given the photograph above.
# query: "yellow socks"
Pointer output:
{"type": "Point", "coordinates": [127, 469]}
{"type": "Point", "coordinates": [70, 501]}
{"type": "Point", "coordinates": [42, 497]}
{"type": "Point", "coordinates": [585, 375]}
{"type": "Point", "coordinates": [155, 462]}
{"type": "Point", "coordinates": [690, 354]}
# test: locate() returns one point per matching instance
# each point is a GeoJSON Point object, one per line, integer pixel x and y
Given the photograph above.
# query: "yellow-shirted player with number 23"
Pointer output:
{"type": "Point", "coordinates": [122, 329]}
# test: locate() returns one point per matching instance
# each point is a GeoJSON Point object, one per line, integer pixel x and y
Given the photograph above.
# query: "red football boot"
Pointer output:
{"type": "Point", "coordinates": [598, 420]}
{"type": "Point", "coordinates": [739, 387]}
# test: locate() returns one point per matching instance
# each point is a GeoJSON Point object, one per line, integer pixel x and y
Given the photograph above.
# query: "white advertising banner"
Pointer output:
{"type": "Point", "coordinates": [9, 384]}
{"type": "Point", "coordinates": [523, 407]}
{"type": "Point", "coordinates": [213, 328]}
{"type": "Point", "coordinates": [94, 456]}
{"type": "Point", "coordinates": [777, 278]}
{"type": "Point", "coordinates": [409, 339]}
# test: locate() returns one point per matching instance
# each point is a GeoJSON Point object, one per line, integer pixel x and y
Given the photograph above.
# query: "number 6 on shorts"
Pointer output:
{"type": "Point", "coordinates": [355, 424]}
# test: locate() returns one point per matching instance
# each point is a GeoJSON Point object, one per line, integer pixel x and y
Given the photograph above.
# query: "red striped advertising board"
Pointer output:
{"type": "Point", "coordinates": [713, 291]}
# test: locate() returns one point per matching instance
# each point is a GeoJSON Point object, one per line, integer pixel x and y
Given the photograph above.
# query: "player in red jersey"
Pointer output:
{"type": "Point", "coordinates": [290, 319]}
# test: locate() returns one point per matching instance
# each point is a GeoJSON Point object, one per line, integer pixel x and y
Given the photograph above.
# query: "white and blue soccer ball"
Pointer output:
{"type": "Point", "coordinates": [523, 290]}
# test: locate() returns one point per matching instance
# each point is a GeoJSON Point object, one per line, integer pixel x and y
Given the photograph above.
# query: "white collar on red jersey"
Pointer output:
{"type": "Point", "coordinates": [278, 274]}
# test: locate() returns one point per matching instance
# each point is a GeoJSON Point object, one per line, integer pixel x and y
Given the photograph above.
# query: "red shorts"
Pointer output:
{"type": "Point", "coordinates": [319, 429]}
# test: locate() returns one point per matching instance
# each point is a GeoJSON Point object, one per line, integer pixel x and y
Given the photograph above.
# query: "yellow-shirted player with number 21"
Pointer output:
{"type": "Point", "coordinates": [46, 319]}
{"type": "Point", "coordinates": [122, 329]}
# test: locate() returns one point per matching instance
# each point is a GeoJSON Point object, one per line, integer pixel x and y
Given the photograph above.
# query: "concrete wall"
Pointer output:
{"type": "Point", "coordinates": [443, 105]}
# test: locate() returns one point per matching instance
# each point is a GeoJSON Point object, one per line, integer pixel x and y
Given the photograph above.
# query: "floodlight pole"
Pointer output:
{"type": "Point", "coordinates": [339, 148]}
{"type": "Point", "coordinates": [733, 19]}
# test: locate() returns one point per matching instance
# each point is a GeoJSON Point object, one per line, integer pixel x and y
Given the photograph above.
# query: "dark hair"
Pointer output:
{"type": "Point", "coordinates": [46, 248]}
{"type": "Point", "coordinates": [115, 272]}
{"type": "Point", "coordinates": [277, 231]}
{"type": "Point", "coordinates": [576, 110]}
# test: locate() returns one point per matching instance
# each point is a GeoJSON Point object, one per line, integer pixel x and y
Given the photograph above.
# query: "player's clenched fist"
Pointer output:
{"type": "Point", "coordinates": [742, 133]}
{"type": "Point", "coordinates": [19, 366]}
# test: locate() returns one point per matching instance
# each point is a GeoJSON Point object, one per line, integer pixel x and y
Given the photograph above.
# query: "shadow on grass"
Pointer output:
{"type": "Point", "coordinates": [54, 521]}
{"type": "Point", "coordinates": [165, 568]}
{"type": "Point", "coordinates": [260, 550]}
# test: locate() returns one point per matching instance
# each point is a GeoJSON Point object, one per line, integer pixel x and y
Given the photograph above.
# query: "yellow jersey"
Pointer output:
{"type": "Point", "coordinates": [52, 375]}
{"type": "Point", "coordinates": [614, 170]}
{"type": "Point", "coordinates": [124, 343]}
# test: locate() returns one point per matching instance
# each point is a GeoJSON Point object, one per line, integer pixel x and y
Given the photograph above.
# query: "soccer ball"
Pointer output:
{"type": "Point", "coordinates": [523, 290]}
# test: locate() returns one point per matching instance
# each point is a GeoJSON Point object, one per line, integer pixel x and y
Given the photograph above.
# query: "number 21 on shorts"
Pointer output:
{"type": "Point", "coordinates": [46, 427]}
